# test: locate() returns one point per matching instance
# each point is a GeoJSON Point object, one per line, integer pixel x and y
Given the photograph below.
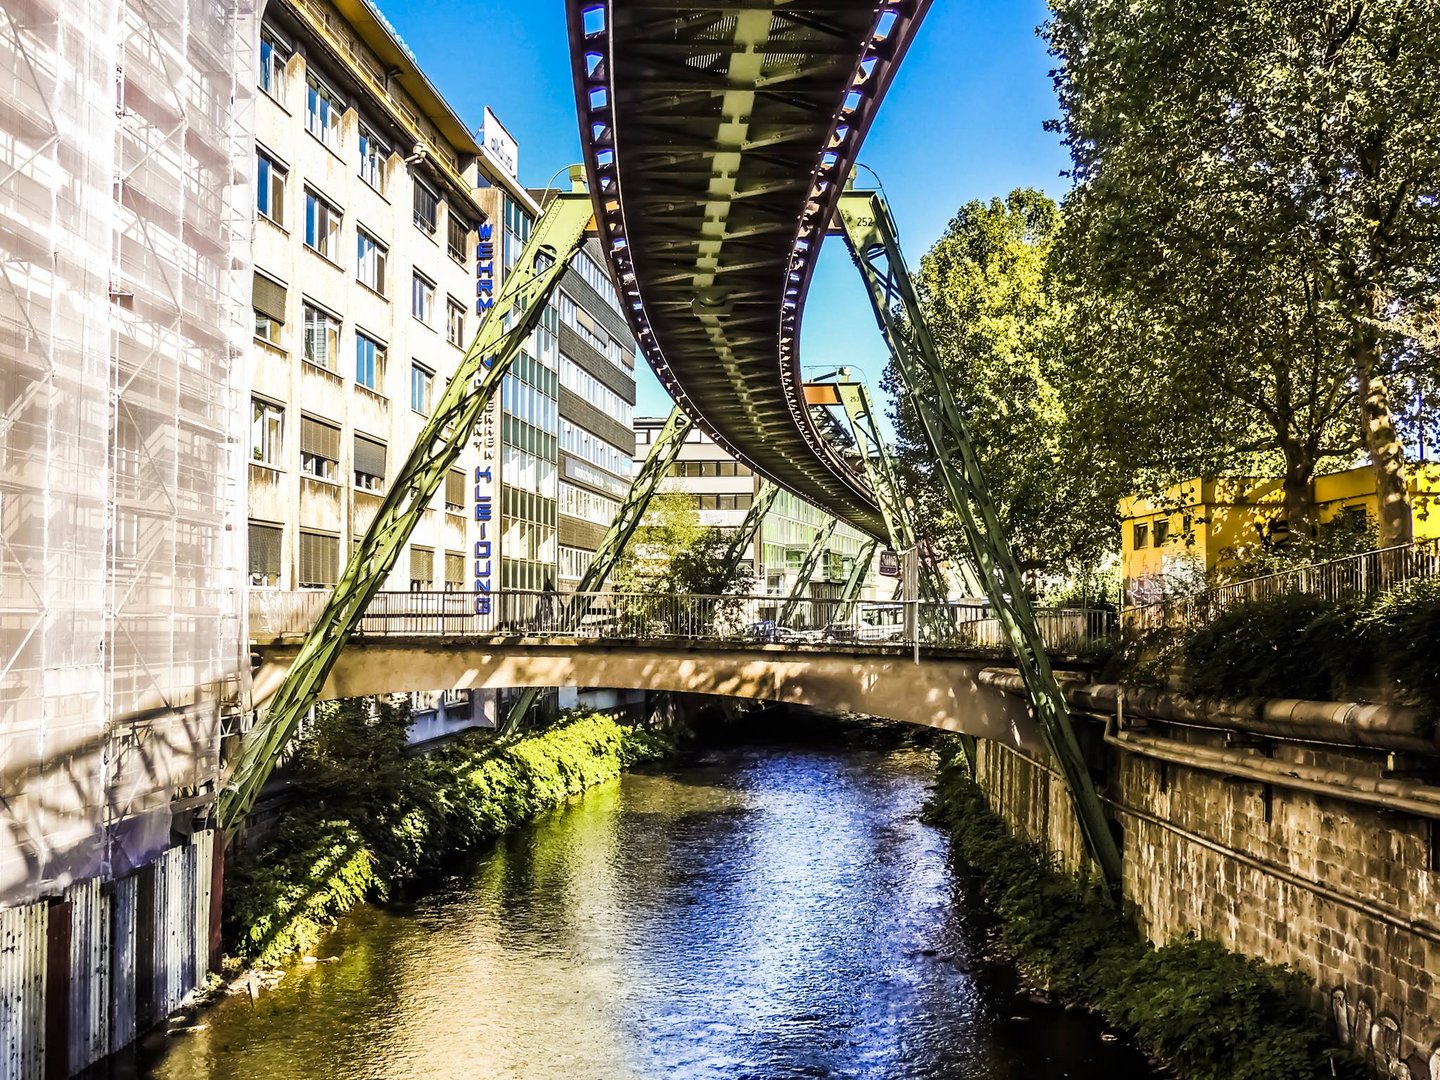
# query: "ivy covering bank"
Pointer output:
{"type": "Point", "coordinates": [1208, 1013]}
{"type": "Point", "coordinates": [374, 818]}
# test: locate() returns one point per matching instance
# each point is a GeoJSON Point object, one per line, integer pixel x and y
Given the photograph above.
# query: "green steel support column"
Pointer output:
{"type": "Point", "coordinates": [856, 580]}
{"type": "Point", "coordinates": [663, 452]}
{"type": "Point", "coordinates": [754, 518]}
{"type": "Point", "coordinates": [880, 471]}
{"type": "Point", "coordinates": [556, 238]}
{"type": "Point", "coordinates": [807, 571]}
{"type": "Point", "coordinates": [870, 233]}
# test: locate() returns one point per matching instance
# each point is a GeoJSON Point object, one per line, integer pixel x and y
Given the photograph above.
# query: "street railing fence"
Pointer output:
{"type": "Point", "coordinates": [606, 616]}
{"type": "Point", "coordinates": [1352, 577]}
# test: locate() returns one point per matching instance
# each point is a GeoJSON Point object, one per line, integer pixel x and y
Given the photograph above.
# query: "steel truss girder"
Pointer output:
{"type": "Point", "coordinates": [643, 487]}
{"type": "Point", "coordinates": [869, 232]}
{"type": "Point", "coordinates": [812, 559]}
{"type": "Point", "coordinates": [555, 239]}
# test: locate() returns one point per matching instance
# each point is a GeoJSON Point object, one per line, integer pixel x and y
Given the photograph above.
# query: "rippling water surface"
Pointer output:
{"type": "Point", "coordinates": [763, 914]}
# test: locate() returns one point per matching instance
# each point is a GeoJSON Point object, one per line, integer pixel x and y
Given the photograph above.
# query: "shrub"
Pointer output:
{"type": "Point", "coordinates": [1288, 645]}
{"type": "Point", "coordinates": [375, 818]}
{"type": "Point", "coordinates": [1404, 626]}
{"type": "Point", "coordinates": [1209, 1013]}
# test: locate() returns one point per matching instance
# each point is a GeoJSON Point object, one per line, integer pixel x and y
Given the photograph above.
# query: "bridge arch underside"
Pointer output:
{"type": "Point", "coordinates": [939, 691]}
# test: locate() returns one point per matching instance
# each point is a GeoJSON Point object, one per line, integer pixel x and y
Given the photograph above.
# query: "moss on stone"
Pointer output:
{"type": "Point", "coordinates": [1208, 1013]}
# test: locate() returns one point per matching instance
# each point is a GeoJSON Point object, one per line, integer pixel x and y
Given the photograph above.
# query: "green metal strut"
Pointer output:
{"type": "Point", "coordinates": [808, 565]}
{"type": "Point", "coordinates": [556, 238]}
{"type": "Point", "coordinates": [870, 233]}
{"type": "Point", "coordinates": [744, 536]}
{"type": "Point", "coordinates": [855, 399]}
{"type": "Point", "coordinates": [662, 454]}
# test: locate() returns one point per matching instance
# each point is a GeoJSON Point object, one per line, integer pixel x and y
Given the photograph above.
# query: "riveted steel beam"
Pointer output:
{"type": "Point", "coordinates": [555, 239]}
{"type": "Point", "coordinates": [864, 220]}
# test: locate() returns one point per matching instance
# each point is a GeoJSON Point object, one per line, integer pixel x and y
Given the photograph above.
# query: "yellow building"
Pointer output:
{"type": "Point", "coordinates": [1202, 526]}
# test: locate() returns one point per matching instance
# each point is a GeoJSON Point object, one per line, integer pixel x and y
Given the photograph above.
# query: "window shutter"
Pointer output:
{"type": "Point", "coordinates": [265, 551]}
{"type": "Point", "coordinates": [369, 456]}
{"type": "Point", "coordinates": [455, 488]}
{"type": "Point", "coordinates": [454, 571]}
{"type": "Point", "coordinates": [319, 439]}
{"type": "Point", "coordinates": [268, 298]}
{"type": "Point", "coordinates": [319, 559]}
{"type": "Point", "coordinates": [422, 565]}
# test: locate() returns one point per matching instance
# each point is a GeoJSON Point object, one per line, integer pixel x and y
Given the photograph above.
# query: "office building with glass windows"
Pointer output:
{"type": "Point", "coordinates": [724, 489]}
{"type": "Point", "coordinates": [365, 240]}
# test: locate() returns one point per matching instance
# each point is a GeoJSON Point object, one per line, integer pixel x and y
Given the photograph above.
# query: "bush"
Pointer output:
{"type": "Point", "coordinates": [1289, 645]}
{"type": "Point", "coordinates": [1208, 1013]}
{"type": "Point", "coordinates": [1404, 628]}
{"type": "Point", "coordinates": [375, 818]}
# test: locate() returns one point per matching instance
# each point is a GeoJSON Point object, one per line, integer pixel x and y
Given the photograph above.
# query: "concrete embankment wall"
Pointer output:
{"type": "Point", "coordinates": [1348, 894]}
{"type": "Point", "coordinates": [85, 972]}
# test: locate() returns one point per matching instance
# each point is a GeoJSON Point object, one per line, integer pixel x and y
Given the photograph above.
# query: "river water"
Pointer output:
{"type": "Point", "coordinates": [760, 913]}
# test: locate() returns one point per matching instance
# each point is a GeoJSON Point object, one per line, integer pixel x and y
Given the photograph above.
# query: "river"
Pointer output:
{"type": "Point", "coordinates": [759, 913]}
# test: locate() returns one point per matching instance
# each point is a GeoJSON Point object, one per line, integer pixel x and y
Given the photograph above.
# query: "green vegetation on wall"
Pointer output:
{"type": "Point", "coordinates": [373, 817]}
{"type": "Point", "coordinates": [1208, 1013]}
{"type": "Point", "coordinates": [1298, 645]}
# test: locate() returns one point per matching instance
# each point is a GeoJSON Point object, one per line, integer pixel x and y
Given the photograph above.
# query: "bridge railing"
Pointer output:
{"type": "Point", "coordinates": [1353, 577]}
{"type": "Point", "coordinates": [609, 616]}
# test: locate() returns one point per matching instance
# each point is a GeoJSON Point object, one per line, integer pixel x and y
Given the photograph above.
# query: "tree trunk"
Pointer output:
{"type": "Point", "coordinates": [1299, 489]}
{"type": "Point", "coordinates": [1377, 430]}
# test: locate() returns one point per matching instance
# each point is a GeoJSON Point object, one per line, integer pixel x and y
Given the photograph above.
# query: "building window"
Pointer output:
{"type": "Point", "coordinates": [269, 188]}
{"type": "Point", "coordinates": [372, 159]}
{"type": "Point", "coordinates": [454, 322]}
{"type": "Point", "coordinates": [422, 569]}
{"type": "Point", "coordinates": [1162, 532]}
{"type": "Point", "coordinates": [1356, 517]}
{"type": "Point", "coordinates": [369, 464]}
{"type": "Point", "coordinates": [274, 55]}
{"type": "Point", "coordinates": [267, 428]}
{"type": "Point", "coordinates": [1142, 535]}
{"type": "Point", "coordinates": [427, 204]}
{"type": "Point", "coordinates": [322, 226]}
{"type": "Point", "coordinates": [319, 560]}
{"type": "Point", "coordinates": [422, 384]}
{"type": "Point", "coordinates": [574, 562]}
{"type": "Point", "coordinates": [267, 297]}
{"type": "Point", "coordinates": [456, 229]}
{"type": "Point", "coordinates": [455, 491]}
{"type": "Point", "coordinates": [422, 297]}
{"type": "Point", "coordinates": [269, 329]}
{"type": "Point", "coordinates": [264, 555]}
{"type": "Point", "coordinates": [319, 449]}
{"type": "Point", "coordinates": [454, 571]}
{"type": "Point", "coordinates": [370, 256]}
{"type": "Point", "coordinates": [369, 362]}
{"type": "Point", "coordinates": [322, 338]}
{"type": "Point", "coordinates": [322, 112]}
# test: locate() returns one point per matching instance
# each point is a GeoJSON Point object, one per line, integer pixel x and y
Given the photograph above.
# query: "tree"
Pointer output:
{"type": "Point", "coordinates": [1263, 177]}
{"type": "Point", "coordinates": [987, 298]}
{"type": "Point", "coordinates": [673, 555]}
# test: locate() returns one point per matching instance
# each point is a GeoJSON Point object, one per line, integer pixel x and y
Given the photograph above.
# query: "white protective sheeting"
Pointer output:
{"type": "Point", "coordinates": [126, 148]}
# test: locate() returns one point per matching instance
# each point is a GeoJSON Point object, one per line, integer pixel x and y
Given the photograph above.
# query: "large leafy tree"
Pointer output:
{"type": "Point", "coordinates": [1000, 330]}
{"type": "Point", "coordinates": [1262, 179]}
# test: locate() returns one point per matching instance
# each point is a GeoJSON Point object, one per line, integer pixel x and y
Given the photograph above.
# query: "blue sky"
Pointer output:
{"type": "Point", "coordinates": [963, 120]}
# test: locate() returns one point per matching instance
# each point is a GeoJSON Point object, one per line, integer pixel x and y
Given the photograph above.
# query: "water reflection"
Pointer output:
{"type": "Point", "coordinates": [766, 914]}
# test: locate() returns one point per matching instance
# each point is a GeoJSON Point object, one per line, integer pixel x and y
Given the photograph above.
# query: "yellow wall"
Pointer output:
{"type": "Point", "coordinates": [1214, 522]}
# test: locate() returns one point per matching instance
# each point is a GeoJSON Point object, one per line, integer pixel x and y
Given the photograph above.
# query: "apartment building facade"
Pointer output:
{"type": "Point", "coordinates": [724, 489]}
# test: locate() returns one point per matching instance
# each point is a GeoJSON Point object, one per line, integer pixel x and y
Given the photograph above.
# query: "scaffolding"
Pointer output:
{"type": "Point", "coordinates": [125, 160]}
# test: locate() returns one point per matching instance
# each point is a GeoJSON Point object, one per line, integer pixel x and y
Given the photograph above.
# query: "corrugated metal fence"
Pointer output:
{"type": "Point", "coordinates": [83, 974]}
